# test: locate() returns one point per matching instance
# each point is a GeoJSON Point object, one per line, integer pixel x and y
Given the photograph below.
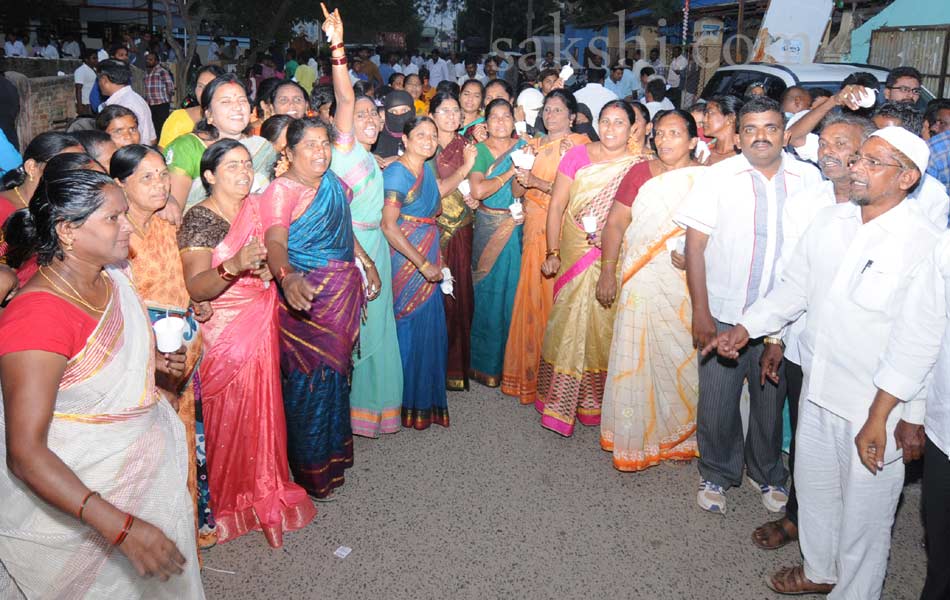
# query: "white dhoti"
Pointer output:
{"type": "Point", "coordinates": [845, 513]}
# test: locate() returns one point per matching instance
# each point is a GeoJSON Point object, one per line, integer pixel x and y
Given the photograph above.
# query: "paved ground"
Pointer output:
{"type": "Point", "coordinates": [495, 507]}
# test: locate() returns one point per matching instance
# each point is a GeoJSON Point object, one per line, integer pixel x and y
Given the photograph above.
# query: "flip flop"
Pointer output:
{"type": "Point", "coordinates": [791, 581]}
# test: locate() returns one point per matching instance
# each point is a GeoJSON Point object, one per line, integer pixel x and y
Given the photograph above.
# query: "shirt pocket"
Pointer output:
{"type": "Point", "coordinates": [874, 286]}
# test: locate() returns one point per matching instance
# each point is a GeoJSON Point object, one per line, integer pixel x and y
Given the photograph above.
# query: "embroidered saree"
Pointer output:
{"type": "Point", "coordinates": [376, 392]}
{"type": "Point", "coordinates": [316, 347]}
{"type": "Point", "coordinates": [159, 278]}
{"type": "Point", "coordinates": [420, 315]}
{"type": "Point", "coordinates": [496, 267]}
{"type": "Point", "coordinates": [240, 379]}
{"type": "Point", "coordinates": [534, 295]}
{"type": "Point", "coordinates": [577, 338]}
{"type": "Point", "coordinates": [649, 410]}
{"type": "Point", "coordinates": [113, 430]}
{"type": "Point", "coordinates": [456, 225]}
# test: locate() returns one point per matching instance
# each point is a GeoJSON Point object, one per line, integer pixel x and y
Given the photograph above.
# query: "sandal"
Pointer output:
{"type": "Point", "coordinates": [791, 581]}
{"type": "Point", "coordinates": [774, 534]}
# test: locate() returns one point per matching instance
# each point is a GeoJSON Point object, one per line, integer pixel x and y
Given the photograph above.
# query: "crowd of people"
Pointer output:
{"type": "Point", "coordinates": [341, 257]}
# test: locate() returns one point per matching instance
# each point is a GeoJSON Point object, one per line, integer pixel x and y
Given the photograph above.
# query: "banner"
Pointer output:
{"type": "Point", "coordinates": [792, 31]}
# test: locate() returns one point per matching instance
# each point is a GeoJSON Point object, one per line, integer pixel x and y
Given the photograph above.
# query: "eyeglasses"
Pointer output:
{"type": "Point", "coordinates": [906, 90]}
{"type": "Point", "coordinates": [871, 163]}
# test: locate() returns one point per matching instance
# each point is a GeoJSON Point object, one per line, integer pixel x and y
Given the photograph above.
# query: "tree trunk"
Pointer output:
{"type": "Point", "coordinates": [191, 33]}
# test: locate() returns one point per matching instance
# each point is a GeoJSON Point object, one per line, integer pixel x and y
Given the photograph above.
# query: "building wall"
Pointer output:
{"type": "Point", "coordinates": [899, 12]}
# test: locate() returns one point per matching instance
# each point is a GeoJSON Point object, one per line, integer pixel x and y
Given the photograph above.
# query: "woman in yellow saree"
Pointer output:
{"type": "Point", "coordinates": [577, 339]}
{"type": "Point", "coordinates": [649, 411]}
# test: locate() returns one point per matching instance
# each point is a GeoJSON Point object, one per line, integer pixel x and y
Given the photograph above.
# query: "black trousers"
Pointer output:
{"type": "Point", "coordinates": [159, 115]}
{"type": "Point", "coordinates": [936, 500]}
{"type": "Point", "coordinates": [793, 377]}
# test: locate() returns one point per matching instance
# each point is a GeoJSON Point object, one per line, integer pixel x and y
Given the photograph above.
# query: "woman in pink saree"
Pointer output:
{"type": "Point", "coordinates": [240, 377]}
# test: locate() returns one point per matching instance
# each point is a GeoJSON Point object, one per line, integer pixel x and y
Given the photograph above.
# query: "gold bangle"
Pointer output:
{"type": "Point", "coordinates": [555, 252]}
{"type": "Point", "coordinates": [774, 341]}
{"type": "Point", "coordinates": [424, 264]}
{"type": "Point", "coordinates": [608, 260]}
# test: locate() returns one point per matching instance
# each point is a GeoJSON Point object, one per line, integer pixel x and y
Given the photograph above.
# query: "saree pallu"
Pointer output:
{"type": "Point", "coordinates": [376, 382]}
{"type": "Point", "coordinates": [649, 411]}
{"type": "Point", "coordinates": [160, 281]}
{"type": "Point", "coordinates": [534, 295]}
{"type": "Point", "coordinates": [456, 225]}
{"type": "Point", "coordinates": [496, 267]}
{"type": "Point", "coordinates": [244, 413]}
{"type": "Point", "coordinates": [420, 315]}
{"type": "Point", "coordinates": [113, 430]}
{"type": "Point", "coordinates": [578, 334]}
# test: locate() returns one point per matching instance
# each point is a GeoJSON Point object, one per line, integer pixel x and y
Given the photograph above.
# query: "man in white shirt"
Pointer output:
{"type": "Point", "coordinates": [919, 343]}
{"type": "Point", "coordinates": [677, 67]}
{"type": "Point", "coordinates": [115, 81]}
{"type": "Point", "coordinates": [637, 67]}
{"type": "Point", "coordinates": [471, 72]}
{"type": "Point", "coordinates": [656, 99]}
{"type": "Point", "coordinates": [439, 70]}
{"type": "Point", "coordinates": [407, 67]}
{"type": "Point", "coordinates": [45, 48]}
{"type": "Point", "coordinates": [71, 48]}
{"type": "Point", "coordinates": [841, 138]}
{"type": "Point", "coordinates": [734, 220]}
{"type": "Point", "coordinates": [594, 95]}
{"type": "Point", "coordinates": [13, 47]}
{"type": "Point", "coordinates": [85, 78]}
{"type": "Point", "coordinates": [850, 273]}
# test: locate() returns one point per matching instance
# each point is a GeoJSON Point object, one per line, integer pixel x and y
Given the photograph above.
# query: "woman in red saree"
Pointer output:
{"type": "Point", "coordinates": [240, 376]}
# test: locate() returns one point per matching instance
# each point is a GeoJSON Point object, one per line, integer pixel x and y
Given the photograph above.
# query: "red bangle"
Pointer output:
{"type": "Point", "coordinates": [125, 530]}
{"type": "Point", "coordinates": [336, 46]}
{"type": "Point", "coordinates": [283, 273]}
{"type": "Point", "coordinates": [82, 505]}
{"type": "Point", "coordinates": [338, 61]}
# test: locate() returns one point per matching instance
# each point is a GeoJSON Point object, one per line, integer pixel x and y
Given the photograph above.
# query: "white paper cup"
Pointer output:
{"type": "Point", "coordinates": [465, 187]}
{"type": "Point", "coordinates": [566, 73]}
{"type": "Point", "coordinates": [521, 127]}
{"type": "Point", "coordinates": [168, 333]}
{"type": "Point", "coordinates": [868, 98]}
{"type": "Point", "coordinates": [590, 223]}
{"type": "Point", "coordinates": [517, 210]}
{"type": "Point", "coordinates": [523, 160]}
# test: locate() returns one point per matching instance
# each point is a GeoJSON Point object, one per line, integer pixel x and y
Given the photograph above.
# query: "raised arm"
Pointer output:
{"type": "Point", "coordinates": [342, 88]}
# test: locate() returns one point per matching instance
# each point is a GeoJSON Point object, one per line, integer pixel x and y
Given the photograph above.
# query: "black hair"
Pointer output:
{"type": "Point", "coordinates": [642, 111]}
{"type": "Point", "coordinates": [91, 140]}
{"type": "Point", "coordinates": [416, 122]}
{"type": "Point", "coordinates": [648, 71]}
{"type": "Point", "coordinates": [439, 98]}
{"type": "Point", "coordinates": [697, 106]}
{"type": "Point", "coordinates": [861, 78]}
{"type": "Point", "coordinates": [264, 89]}
{"type": "Point", "coordinates": [40, 149]}
{"type": "Point", "coordinates": [68, 197]}
{"type": "Point", "coordinates": [819, 92]}
{"type": "Point", "coordinates": [416, 75]}
{"type": "Point", "coordinates": [116, 47]}
{"type": "Point", "coordinates": [89, 52]}
{"type": "Point", "coordinates": [911, 119]}
{"type": "Point", "coordinates": [271, 128]}
{"type": "Point", "coordinates": [297, 129]}
{"type": "Point", "coordinates": [364, 87]}
{"type": "Point", "coordinates": [496, 103]}
{"type": "Point", "coordinates": [566, 97]}
{"type": "Point", "coordinates": [322, 94]}
{"type": "Point", "coordinates": [116, 71]}
{"type": "Point", "coordinates": [505, 86]}
{"type": "Point", "coordinates": [791, 89]}
{"type": "Point", "coordinates": [448, 86]}
{"type": "Point", "coordinates": [728, 104]}
{"type": "Point", "coordinates": [394, 77]}
{"type": "Point", "coordinates": [936, 105]}
{"type": "Point", "coordinates": [213, 155]}
{"type": "Point", "coordinates": [691, 128]}
{"type": "Point", "coordinates": [548, 73]}
{"type": "Point", "coordinates": [583, 109]}
{"type": "Point", "coordinates": [481, 86]}
{"type": "Point", "coordinates": [898, 72]}
{"type": "Point", "coordinates": [213, 69]}
{"type": "Point", "coordinates": [760, 104]}
{"type": "Point", "coordinates": [657, 89]}
{"type": "Point", "coordinates": [423, 73]}
{"type": "Point", "coordinates": [207, 95]}
{"type": "Point", "coordinates": [624, 106]}
{"type": "Point", "coordinates": [127, 159]}
{"type": "Point", "coordinates": [272, 97]}
{"type": "Point", "coordinates": [596, 75]}
{"type": "Point", "coordinates": [112, 112]}
{"type": "Point", "coordinates": [68, 161]}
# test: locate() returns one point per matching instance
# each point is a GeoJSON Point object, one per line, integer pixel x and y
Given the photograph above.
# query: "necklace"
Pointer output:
{"type": "Point", "coordinates": [77, 297]}
{"type": "Point", "coordinates": [136, 228]}
{"type": "Point", "coordinates": [23, 201]}
{"type": "Point", "coordinates": [218, 208]}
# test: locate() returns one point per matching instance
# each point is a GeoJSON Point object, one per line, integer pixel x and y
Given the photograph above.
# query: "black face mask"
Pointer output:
{"type": "Point", "coordinates": [396, 123]}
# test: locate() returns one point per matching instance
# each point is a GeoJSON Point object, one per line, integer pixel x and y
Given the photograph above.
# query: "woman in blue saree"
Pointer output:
{"type": "Point", "coordinates": [496, 249]}
{"type": "Point", "coordinates": [310, 251]}
{"type": "Point", "coordinates": [412, 201]}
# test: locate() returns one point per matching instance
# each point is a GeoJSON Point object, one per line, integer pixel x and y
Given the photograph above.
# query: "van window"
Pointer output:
{"type": "Point", "coordinates": [736, 82]}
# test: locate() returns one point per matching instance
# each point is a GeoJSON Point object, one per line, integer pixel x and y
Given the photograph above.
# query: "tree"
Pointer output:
{"type": "Point", "coordinates": [191, 13]}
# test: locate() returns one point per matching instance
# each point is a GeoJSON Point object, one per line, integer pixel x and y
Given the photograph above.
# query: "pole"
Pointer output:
{"type": "Point", "coordinates": [491, 31]}
{"type": "Point", "coordinates": [739, 31]}
{"type": "Point", "coordinates": [531, 21]}
{"type": "Point", "coordinates": [151, 5]}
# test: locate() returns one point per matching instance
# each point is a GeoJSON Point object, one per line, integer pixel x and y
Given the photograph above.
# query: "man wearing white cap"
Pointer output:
{"type": "Point", "coordinates": [850, 273]}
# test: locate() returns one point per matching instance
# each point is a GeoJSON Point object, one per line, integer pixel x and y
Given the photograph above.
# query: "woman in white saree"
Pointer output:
{"type": "Point", "coordinates": [94, 493]}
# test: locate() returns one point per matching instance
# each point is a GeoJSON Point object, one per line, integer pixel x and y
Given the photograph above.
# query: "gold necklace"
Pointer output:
{"type": "Point", "coordinates": [136, 228]}
{"type": "Point", "coordinates": [218, 208]}
{"type": "Point", "coordinates": [23, 201]}
{"type": "Point", "coordinates": [77, 297]}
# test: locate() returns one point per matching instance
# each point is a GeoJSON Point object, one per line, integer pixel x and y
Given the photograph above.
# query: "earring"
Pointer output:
{"type": "Point", "coordinates": [68, 245]}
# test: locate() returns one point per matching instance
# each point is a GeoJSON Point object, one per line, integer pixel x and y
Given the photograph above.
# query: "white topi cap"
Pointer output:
{"type": "Point", "coordinates": [911, 145]}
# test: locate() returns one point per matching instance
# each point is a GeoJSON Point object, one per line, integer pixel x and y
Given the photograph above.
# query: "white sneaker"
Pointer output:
{"type": "Point", "coordinates": [711, 497]}
{"type": "Point", "coordinates": [774, 497]}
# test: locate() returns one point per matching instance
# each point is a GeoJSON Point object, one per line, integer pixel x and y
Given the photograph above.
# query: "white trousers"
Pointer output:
{"type": "Point", "coordinates": [845, 513]}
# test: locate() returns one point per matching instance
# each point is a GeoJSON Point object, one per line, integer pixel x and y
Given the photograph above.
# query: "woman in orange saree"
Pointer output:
{"type": "Point", "coordinates": [240, 375]}
{"type": "Point", "coordinates": [535, 293]}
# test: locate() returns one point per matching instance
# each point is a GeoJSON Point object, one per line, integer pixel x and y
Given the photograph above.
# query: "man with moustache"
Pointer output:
{"type": "Point", "coordinates": [850, 273]}
{"type": "Point", "coordinates": [841, 138]}
{"type": "Point", "coordinates": [734, 231]}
